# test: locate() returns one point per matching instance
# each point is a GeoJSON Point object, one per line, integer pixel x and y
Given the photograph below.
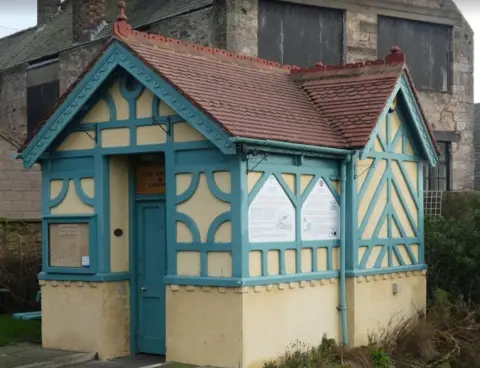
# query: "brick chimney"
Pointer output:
{"type": "Point", "coordinates": [46, 11]}
{"type": "Point", "coordinates": [88, 19]}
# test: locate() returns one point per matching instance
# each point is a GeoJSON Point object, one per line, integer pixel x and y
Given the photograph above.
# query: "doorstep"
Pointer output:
{"type": "Point", "coordinates": [33, 356]}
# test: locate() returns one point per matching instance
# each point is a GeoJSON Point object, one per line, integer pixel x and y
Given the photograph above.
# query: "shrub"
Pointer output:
{"type": "Point", "coordinates": [452, 252]}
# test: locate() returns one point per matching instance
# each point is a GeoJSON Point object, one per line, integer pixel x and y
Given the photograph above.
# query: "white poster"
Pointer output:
{"type": "Point", "coordinates": [271, 215]}
{"type": "Point", "coordinates": [320, 214]}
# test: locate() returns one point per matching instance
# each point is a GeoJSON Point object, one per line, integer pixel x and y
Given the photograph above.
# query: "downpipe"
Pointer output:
{"type": "Point", "coordinates": [342, 307]}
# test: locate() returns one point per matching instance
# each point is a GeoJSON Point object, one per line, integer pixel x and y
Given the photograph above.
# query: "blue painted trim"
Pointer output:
{"type": "Point", "coordinates": [389, 270]}
{"type": "Point", "coordinates": [190, 224]}
{"type": "Point", "coordinates": [81, 193]}
{"type": "Point", "coordinates": [277, 165]}
{"type": "Point", "coordinates": [102, 187]}
{"type": "Point", "coordinates": [343, 284]}
{"type": "Point", "coordinates": [190, 191]}
{"type": "Point", "coordinates": [252, 281]}
{"type": "Point", "coordinates": [54, 202]}
{"type": "Point", "coordinates": [351, 219]}
{"type": "Point", "coordinates": [132, 265]}
{"type": "Point", "coordinates": [91, 220]}
{"type": "Point", "coordinates": [240, 249]}
{"type": "Point", "coordinates": [116, 55]}
{"type": "Point", "coordinates": [418, 124]}
{"type": "Point", "coordinates": [99, 277]}
{"type": "Point", "coordinates": [267, 144]}
{"type": "Point", "coordinates": [111, 106]}
{"type": "Point", "coordinates": [215, 225]}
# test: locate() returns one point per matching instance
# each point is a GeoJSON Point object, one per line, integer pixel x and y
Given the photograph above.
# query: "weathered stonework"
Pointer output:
{"type": "Point", "coordinates": [447, 111]}
{"type": "Point", "coordinates": [21, 237]}
{"type": "Point", "coordinates": [196, 27]}
{"type": "Point", "coordinates": [237, 26]}
{"type": "Point", "coordinates": [234, 25]}
{"type": "Point", "coordinates": [74, 61]}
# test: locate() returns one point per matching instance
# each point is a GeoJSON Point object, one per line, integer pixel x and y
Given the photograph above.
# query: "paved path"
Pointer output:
{"type": "Point", "coordinates": [139, 361]}
{"type": "Point", "coordinates": [18, 355]}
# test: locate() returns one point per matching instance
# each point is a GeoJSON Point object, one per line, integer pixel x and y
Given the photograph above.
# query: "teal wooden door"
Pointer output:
{"type": "Point", "coordinates": [151, 268]}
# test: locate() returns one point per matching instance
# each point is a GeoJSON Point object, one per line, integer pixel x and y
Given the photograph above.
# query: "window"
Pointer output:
{"type": "Point", "coordinates": [43, 90]}
{"type": "Point", "coordinates": [299, 34]}
{"type": "Point", "coordinates": [438, 178]}
{"type": "Point", "coordinates": [427, 47]}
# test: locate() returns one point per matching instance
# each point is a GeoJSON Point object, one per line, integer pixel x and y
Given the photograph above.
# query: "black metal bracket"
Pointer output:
{"type": "Point", "coordinates": [92, 138]}
{"type": "Point", "coordinates": [155, 121]}
{"type": "Point", "coordinates": [255, 153]}
{"type": "Point", "coordinates": [364, 171]}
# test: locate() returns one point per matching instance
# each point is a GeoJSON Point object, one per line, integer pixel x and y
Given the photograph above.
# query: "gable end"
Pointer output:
{"type": "Point", "coordinates": [117, 55]}
{"type": "Point", "coordinates": [419, 127]}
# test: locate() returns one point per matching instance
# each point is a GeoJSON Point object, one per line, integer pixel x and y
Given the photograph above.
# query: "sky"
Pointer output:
{"type": "Point", "coordinates": [19, 14]}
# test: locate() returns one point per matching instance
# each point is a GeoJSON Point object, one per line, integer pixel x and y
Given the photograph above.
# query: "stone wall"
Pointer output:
{"type": "Point", "coordinates": [195, 27]}
{"type": "Point", "coordinates": [450, 112]}
{"type": "Point", "coordinates": [74, 61]}
{"type": "Point", "coordinates": [19, 188]}
{"type": "Point", "coordinates": [20, 263]}
{"type": "Point", "coordinates": [233, 25]}
{"type": "Point", "coordinates": [22, 238]}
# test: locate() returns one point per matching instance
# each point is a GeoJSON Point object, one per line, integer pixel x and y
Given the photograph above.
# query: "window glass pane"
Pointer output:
{"type": "Point", "coordinates": [442, 171]}
{"type": "Point", "coordinates": [442, 184]}
{"type": "Point", "coordinates": [443, 150]}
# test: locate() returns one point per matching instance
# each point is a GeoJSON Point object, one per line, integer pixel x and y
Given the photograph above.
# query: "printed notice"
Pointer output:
{"type": "Point", "coordinates": [271, 215]}
{"type": "Point", "coordinates": [320, 214]}
{"type": "Point", "coordinates": [69, 245]}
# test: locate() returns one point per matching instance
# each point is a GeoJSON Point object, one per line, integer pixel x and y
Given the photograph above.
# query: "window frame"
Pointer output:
{"type": "Point", "coordinates": [91, 220]}
{"type": "Point", "coordinates": [39, 74]}
{"type": "Point", "coordinates": [449, 58]}
{"type": "Point", "coordinates": [445, 159]}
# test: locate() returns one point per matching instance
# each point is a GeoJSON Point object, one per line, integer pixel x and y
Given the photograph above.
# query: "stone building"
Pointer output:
{"type": "Point", "coordinates": [39, 63]}
{"type": "Point", "coordinates": [477, 146]}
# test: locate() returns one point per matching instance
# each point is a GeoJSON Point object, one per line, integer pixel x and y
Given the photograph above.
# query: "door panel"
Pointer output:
{"type": "Point", "coordinates": [151, 259]}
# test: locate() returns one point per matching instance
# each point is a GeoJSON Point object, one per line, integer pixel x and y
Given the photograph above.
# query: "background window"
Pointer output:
{"type": "Point", "coordinates": [43, 88]}
{"type": "Point", "coordinates": [427, 47]}
{"type": "Point", "coordinates": [299, 34]}
{"type": "Point", "coordinates": [438, 178]}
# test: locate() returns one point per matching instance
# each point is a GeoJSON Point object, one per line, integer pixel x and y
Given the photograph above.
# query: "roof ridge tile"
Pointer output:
{"type": "Point", "coordinates": [123, 30]}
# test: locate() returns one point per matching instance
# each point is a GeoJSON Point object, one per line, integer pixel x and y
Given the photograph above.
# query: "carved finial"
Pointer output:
{"type": "Point", "coordinates": [395, 50]}
{"type": "Point", "coordinates": [122, 17]}
{"type": "Point", "coordinates": [396, 56]}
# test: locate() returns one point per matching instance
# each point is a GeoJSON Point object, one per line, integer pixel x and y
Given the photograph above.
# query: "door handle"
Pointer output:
{"type": "Point", "coordinates": [143, 288]}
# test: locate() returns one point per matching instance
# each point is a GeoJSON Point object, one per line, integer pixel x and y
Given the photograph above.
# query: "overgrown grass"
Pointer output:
{"type": "Point", "coordinates": [447, 336]}
{"type": "Point", "coordinates": [14, 331]}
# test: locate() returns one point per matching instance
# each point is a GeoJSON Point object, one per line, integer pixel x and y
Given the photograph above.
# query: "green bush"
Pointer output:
{"type": "Point", "coordinates": [452, 247]}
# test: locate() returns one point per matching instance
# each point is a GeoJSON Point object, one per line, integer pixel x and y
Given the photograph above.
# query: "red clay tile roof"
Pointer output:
{"type": "Point", "coordinates": [254, 98]}
{"type": "Point", "coordinates": [351, 99]}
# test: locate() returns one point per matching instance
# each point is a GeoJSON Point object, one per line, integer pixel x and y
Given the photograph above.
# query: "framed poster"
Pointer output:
{"type": "Point", "coordinates": [69, 242]}
{"type": "Point", "coordinates": [69, 245]}
{"type": "Point", "coordinates": [271, 215]}
{"type": "Point", "coordinates": [320, 214]}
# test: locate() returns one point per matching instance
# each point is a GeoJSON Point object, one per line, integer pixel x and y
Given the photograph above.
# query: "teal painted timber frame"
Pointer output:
{"type": "Point", "coordinates": [418, 127]}
{"type": "Point", "coordinates": [215, 154]}
{"type": "Point", "coordinates": [117, 55]}
{"type": "Point", "coordinates": [328, 170]}
{"type": "Point", "coordinates": [390, 244]}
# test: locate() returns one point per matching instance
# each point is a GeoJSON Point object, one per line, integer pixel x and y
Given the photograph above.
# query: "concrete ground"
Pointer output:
{"type": "Point", "coordinates": [33, 356]}
{"type": "Point", "coordinates": [25, 355]}
{"type": "Point", "coordinates": [139, 361]}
